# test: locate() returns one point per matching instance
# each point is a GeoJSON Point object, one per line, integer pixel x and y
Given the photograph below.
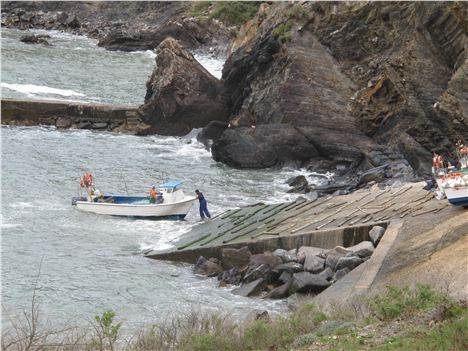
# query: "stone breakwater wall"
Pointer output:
{"type": "Point", "coordinates": [78, 115]}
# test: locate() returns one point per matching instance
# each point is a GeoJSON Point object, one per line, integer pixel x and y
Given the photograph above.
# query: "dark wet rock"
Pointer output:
{"type": "Point", "coordinates": [280, 292]}
{"type": "Point", "coordinates": [265, 258]}
{"type": "Point", "coordinates": [63, 122]}
{"type": "Point", "coordinates": [305, 282]}
{"type": "Point", "coordinates": [100, 125]}
{"type": "Point", "coordinates": [206, 267]}
{"type": "Point", "coordinates": [285, 277]}
{"type": "Point", "coordinates": [314, 264]}
{"type": "Point", "coordinates": [181, 94]}
{"type": "Point", "coordinates": [232, 276]}
{"type": "Point", "coordinates": [327, 273]}
{"type": "Point", "coordinates": [292, 267]}
{"type": "Point", "coordinates": [73, 22]}
{"type": "Point", "coordinates": [306, 251]}
{"type": "Point", "coordinates": [375, 174]}
{"type": "Point", "coordinates": [341, 273]}
{"type": "Point", "coordinates": [285, 255]}
{"type": "Point", "coordinates": [299, 185]}
{"type": "Point", "coordinates": [263, 271]}
{"type": "Point", "coordinates": [35, 39]}
{"type": "Point", "coordinates": [237, 258]}
{"type": "Point", "coordinates": [363, 249]}
{"type": "Point", "coordinates": [252, 147]}
{"type": "Point", "coordinates": [376, 233]}
{"type": "Point", "coordinates": [212, 132]}
{"type": "Point", "coordinates": [332, 258]}
{"type": "Point", "coordinates": [253, 288]}
{"type": "Point", "coordinates": [350, 262]}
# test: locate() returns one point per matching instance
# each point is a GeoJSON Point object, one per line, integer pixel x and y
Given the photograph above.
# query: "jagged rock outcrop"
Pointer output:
{"type": "Point", "coordinates": [365, 84]}
{"type": "Point", "coordinates": [181, 94]}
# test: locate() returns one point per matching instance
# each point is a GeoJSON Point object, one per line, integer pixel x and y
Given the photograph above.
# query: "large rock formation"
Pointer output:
{"type": "Point", "coordinates": [181, 94]}
{"type": "Point", "coordinates": [123, 25]}
{"type": "Point", "coordinates": [360, 84]}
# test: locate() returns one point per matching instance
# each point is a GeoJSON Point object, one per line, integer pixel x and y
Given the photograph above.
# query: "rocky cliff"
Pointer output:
{"type": "Point", "coordinates": [123, 25]}
{"type": "Point", "coordinates": [181, 94]}
{"type": "Point", "coordinates": [359, 84]}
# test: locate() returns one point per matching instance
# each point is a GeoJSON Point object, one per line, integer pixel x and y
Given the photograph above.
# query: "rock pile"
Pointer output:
{"type": "Point", "coordinates": [282, 273]}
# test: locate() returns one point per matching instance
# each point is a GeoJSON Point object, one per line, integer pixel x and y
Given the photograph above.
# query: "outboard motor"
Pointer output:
{"type": "Point", "coordinates": [77, 198]}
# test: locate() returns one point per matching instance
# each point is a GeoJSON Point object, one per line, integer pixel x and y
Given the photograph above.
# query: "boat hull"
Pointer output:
{"type": "Point", "coordinates": [457, 196]}
{"type": "Point", "coordinates": [176, 210]}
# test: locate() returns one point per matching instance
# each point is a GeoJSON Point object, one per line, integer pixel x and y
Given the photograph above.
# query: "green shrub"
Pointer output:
{"type": "Point", "coordinates": [106, 331]}
{"type": "Point", "coordinates": [234, 12]}
{"type": "Point", "coordinates": [208, 342]}
{"type": "Point", "coordinates": [297, 11]}
{"type": "Point", "coordinates": [283, 32]}
{"type": "Point", "coordinates": [451, 335]}
{"type": "Point", "coordinates": [405, 301]}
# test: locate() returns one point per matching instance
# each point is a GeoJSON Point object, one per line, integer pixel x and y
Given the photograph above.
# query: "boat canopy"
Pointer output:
{"type": "Point", "coordinates": [172, 184]}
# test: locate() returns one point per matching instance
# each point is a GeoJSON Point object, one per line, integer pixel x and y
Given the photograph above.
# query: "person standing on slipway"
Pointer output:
{"type": "Point", "coordinates": [203, 206]}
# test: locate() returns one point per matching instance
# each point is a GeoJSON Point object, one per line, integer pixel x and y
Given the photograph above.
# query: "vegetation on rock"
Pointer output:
{"type": "Point", "coordinates": [228, 12]}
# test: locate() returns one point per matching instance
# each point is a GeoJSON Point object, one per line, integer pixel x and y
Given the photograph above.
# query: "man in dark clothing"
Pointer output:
{"type": "Point", "coordinates": [203, 207]}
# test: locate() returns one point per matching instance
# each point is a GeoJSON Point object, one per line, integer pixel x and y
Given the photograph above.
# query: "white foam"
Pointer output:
{"type": "Point", "coordinates": [212, 65]}
{"type": "Point", "coordinates": [31, 89]}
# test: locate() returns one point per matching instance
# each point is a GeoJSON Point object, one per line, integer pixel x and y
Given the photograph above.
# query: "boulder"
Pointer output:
{"type": "Point", "coordinates": [314, 264]}
{"type": "Point", "coordinates": [263, 271]}
{"type": "Point", "coordinates": [306, 251]}
{"type": "Point", "coordinates": [327, 273]}
{"type": "Point", "coordinates": [285, 255]}
{"type": "Point", "coordinates": [376, 233]}
{"type": "Point", "coordinates": [63, 122]}
{"type": "Point", "coordinates": [250, 289]}
{"type": "Point", "coordinates": [280, 292]}
{"type": "Point", "coordinates": [376, 174]}
{"type": "Point", "coordinates": [341, 273]}
{"type": "Point", "coordinates": [73, 22]}
{"type": "Point", "coordinates": [212, 132]}
{"type": "Point", "coordinates": [293, 254]}
{"type": "Point", "coordinates": [305, 282]}
{"type": "Point", "coordinates": [206, 267]}
{"type": "Point", "coordinates": [292, 267]}
{"type": "Point", "coordinates": [350, 262]}
{"type": "Point", "coordinates": [35, 39]}
{"type": "Point", "coordinates": [285, 277]}
{"type": "Point", "coordinates": [181, 94]}
{"type": "Point", "coordinates": [262, 146]}
{"type": "Point", "coordinates": [332, 258]}
{"type": "Point", "coordinates": [265, 258]}
{"type": "Point", "coordinates": [299, 185]}
{"type": "Point", "coordinates": [232, 276]}
{"type": "Point", "coordinates": [237, 258]}
{"type": "Point", "coordinates": [363, 249]}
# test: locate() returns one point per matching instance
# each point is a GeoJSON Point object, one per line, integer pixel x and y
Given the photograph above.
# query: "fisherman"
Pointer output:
{"type": "Point", "coordinates": [152, 195]}
{"type": "Point", "coordinates": [203, 207]}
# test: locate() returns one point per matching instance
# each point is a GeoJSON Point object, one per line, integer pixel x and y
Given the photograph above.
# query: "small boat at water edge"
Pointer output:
{"type": "Point", "coordinates": [453, 181]}
{"type": "Point", "coordinates": [171, 202]}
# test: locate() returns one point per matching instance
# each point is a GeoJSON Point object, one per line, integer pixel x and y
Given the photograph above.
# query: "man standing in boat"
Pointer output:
{"type": "Point", "coordinates": [152, 195]}
{"type": "Point", "coordinates": [203, 206]}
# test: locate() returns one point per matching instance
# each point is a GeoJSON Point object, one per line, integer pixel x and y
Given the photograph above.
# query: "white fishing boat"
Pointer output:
{"type": "Point", "coordinates": [171, 202]}
{"type": "Point", "coordinates": [453, 181]}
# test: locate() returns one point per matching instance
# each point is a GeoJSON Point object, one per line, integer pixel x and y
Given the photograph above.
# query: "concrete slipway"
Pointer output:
{"type": "Point", "coordinates": [418, 226]}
